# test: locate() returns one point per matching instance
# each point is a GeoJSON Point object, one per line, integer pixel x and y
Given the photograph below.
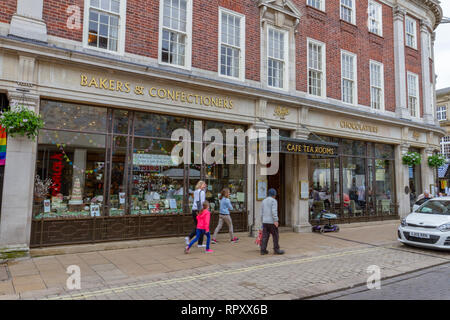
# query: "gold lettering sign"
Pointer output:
{"type": "Point", "coordinates": [416, 135]}
{"type": "Point", "coordinates": [306, 148]}
{"type": "Point", "coordinates": [155, 92]}
{"type": "Point", "coordinates": [358, 126]}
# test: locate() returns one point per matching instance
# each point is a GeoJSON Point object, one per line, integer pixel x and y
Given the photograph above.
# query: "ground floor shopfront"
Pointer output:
{"type": "Point", "coordinates": [106, 148]}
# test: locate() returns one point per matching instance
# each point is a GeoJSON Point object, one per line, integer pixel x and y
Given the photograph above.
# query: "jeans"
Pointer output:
{"type": "Point", "coordinates": [194, 231]}
{"type": "Point", "coordinates": [199, 235]}
{"type": "Point", "coordinates": [270, 229]}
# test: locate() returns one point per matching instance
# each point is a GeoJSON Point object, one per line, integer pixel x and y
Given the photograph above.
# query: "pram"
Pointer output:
{"type": "Point", "coordinates": [326, 227]}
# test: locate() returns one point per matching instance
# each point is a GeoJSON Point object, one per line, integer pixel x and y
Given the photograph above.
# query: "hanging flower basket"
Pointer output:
{"type": "Point", "coordinates": [21, 122]}
{"type": "Point", "coordinates": [412, 159]}
{"type": "Point", "coordinates": [436, 161]}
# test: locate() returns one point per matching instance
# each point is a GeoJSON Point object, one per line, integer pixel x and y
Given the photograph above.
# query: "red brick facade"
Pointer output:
{"type": "Point", "coordinates": [142, 27]}
{"type": "Point", "coordinates": [57, 13]}
{"type": "Point", "coordinates": [7, 9]}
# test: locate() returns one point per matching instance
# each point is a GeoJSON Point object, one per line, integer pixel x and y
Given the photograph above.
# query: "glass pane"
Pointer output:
{"type": "Point", "coordinates": [62, 115]}
{"type": "Point", "coordinates": [121, 121]}
{"type": "Point", "coordinates": [74, 164]}
{"type": "Point", "coordinates": [384, 151]}
{"type": "Point", "coordinates": [384, 177]}
{"type": "Point", "coordinates": [154, 125]}
{"type": "Point", "coordinates": [320, 190]}
{"type": "Point", "coordinates": [353, 147]}
{"type": "Point", "coordinates": [118, 193]}
{"type": "Point", "coordinates": [354, 182]}
{"type": "Point", "coordinates": [157, 183]}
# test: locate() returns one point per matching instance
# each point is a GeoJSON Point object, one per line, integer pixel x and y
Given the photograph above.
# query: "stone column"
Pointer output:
{"type": "Point", "coordinates": [433, 73]}
{"type": "Point", "coordinates": [401, 107]}
{"type": "Point", "coordinates": [27, 21]}
{"type": "Point", "coordinates": [428, 174]}
{"type": "Point", "coordinates": [16, 214]}
{"type": "Point", "coordinates": [428, 114]}
{"type": "Point", "coordinates": [402, 180]}
{"type": "Point", "coordinates": [299, 172]}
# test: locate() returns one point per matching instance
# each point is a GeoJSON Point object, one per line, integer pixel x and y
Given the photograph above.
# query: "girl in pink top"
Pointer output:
{"type": "Point", "coordinates": [203, 219]}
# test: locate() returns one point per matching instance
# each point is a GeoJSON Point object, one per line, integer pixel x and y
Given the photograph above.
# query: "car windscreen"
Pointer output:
{"type": "Point", "coordinates": [435, 207]}
{"type": "Point", "coordinates": [421, 201]}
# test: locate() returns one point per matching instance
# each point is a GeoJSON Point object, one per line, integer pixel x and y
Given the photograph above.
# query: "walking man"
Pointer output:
{"type": "Point", "coordinates": [269, 219]}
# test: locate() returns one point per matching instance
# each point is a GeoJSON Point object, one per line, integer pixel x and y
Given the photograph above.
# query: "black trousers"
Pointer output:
{"type": "Point", "coordinates": [194, 231]}
{"type": "Point", "coordinates": [270, 229]}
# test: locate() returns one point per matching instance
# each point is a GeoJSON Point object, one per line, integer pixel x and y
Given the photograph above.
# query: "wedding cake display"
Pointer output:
{"type": "Point", "coordinates": [76, 197]}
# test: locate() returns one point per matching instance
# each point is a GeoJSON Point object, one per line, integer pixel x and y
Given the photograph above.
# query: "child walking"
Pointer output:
{"type": "Point", "coordinates": [224, 215]}
{"type": "Point", "coordinates": [203, 219]}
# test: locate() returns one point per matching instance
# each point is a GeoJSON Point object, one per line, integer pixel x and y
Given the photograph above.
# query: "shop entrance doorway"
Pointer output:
{"type": "Point", "coordinates": [277, 182]}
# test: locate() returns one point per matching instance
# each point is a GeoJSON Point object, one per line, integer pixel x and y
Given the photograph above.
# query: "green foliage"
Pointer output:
{"type": "Point", "coordinates": [21, 122]}
{"type": "Point", "coordinates": [436, 161]}
{"type": "Point", "coordinates": [412, 159]}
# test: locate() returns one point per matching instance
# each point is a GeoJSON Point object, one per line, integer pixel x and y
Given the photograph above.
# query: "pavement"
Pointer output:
{"type": "Point", "coordinates": [314, 264]}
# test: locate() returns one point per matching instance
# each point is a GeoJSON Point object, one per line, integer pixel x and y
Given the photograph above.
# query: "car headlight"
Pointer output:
{"type": "Point", "coordinates": [404, 224]}
{"type": "Point", "coordinates": [444, 227]}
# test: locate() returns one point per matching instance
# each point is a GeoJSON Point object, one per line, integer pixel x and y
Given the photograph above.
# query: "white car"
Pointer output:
{"type": "Point", "coordinates": [428, 226]}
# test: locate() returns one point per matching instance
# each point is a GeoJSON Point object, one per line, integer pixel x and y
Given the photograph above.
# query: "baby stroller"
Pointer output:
{"type": "Point", "coordinates": [327, 227]}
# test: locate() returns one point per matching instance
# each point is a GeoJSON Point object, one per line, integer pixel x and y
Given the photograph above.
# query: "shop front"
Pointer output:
{"type": "Point", "coordinates": [113, 177]}
{"type": "Point", "coordinates": [357, 185]}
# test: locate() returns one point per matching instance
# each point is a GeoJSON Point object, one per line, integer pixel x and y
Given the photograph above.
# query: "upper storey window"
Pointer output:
{"type": "Point", "coordinates": [318, 4]}
{"type": "Point", "coordinates": [348, 10]}
{"type": "Point", "coordinates": [375, 18]}
{"type": "Point", "coordinates": [348, 74]}
{"type": "Point", "coordinates": [232, 41]}
{"type": "Point", "coordinates": [276, 57]}
{"type": "Point", "coordinates": [105, 21]}
{"type": "Point", "coordinates": [316, 68]}
{"type": "Point", "coordinates": [413, 94]}
{"type": "Point", "coordinates": [411, 32]}
{"type": "Point", "coordinates": [175, 32]}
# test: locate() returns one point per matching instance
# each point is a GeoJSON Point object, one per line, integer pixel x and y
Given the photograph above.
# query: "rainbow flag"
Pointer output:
{"type": "Point", "coordinates": [2, 146]}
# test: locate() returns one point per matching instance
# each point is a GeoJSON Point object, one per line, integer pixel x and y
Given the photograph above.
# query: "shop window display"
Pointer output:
{"type": "Point", "coordinates": [75, 164]}
{"type": "Point", "coordinates": [157, 181]}
{"type": "Point", "coordinates": [111, 162]}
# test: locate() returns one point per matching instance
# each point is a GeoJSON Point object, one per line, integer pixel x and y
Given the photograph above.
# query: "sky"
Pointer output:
{"type": "Point", "coordinates": [442, 50]}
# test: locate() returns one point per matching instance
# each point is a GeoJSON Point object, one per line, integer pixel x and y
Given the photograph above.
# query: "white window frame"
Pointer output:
{"type": "Point", "coordinates": [379, 64]}
{"type": "Point", "coordinates": [121, 31]}
{"type": "Point", "coordinates": [353, 11]}
{"type": "Point", "coordinates": [355, 80]}
{"type": "Point", "coordinates": [441, 112]}
{"type": "Point", "coordinates": [285, 60]}
{"type": "Point", "coordinates": [379, 9]}
{"type": "Point", "coordinates": [242, 44]}
{"type": "Point", "coordinates": [414, 35]}
{"type": "Point", "coordinates": [416, 77]}
{"type": "Point", "coordinates": [322, 4]}
{"type": "Point", "coordinates": [188, 34]}
{"type": "Point", "coordinates": [324, 66]}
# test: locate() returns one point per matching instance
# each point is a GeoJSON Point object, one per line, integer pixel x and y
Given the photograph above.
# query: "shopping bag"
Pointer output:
{"type": "Point", "coordinates": [259, 238]}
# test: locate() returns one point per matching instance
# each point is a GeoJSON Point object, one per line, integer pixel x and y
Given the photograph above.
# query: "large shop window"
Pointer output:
{"type": "Point", "coordinates": [365, 174]}
{"type": "Point", "coordinates": [109, 162]}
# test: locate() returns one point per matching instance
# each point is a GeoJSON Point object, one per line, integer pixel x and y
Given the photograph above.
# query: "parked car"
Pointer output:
{"type": "Point", "coordinates": [428, 226]}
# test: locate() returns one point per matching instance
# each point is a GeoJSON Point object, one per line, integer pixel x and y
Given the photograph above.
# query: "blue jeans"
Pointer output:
{"type": "Point", "coordinates": [200, 233]}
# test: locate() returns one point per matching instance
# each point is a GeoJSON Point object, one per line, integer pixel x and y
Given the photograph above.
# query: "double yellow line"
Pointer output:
{"type": "Point", "coordinates": [210, 275]}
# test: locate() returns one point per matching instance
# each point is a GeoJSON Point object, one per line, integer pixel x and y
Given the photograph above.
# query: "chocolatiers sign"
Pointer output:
{"type": "Point", "coordinates": [155, 92]}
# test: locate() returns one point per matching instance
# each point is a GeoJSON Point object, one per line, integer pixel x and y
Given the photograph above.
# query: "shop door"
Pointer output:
{"type": "Point", "coordinates": [277, 182]}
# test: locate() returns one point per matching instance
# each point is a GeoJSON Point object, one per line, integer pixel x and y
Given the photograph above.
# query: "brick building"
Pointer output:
{"type": "Point", "coordinates": [113, 78]}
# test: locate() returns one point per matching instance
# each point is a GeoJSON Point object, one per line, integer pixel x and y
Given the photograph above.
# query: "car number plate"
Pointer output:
{"type": "Point", "coordinates": [419, 235]}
